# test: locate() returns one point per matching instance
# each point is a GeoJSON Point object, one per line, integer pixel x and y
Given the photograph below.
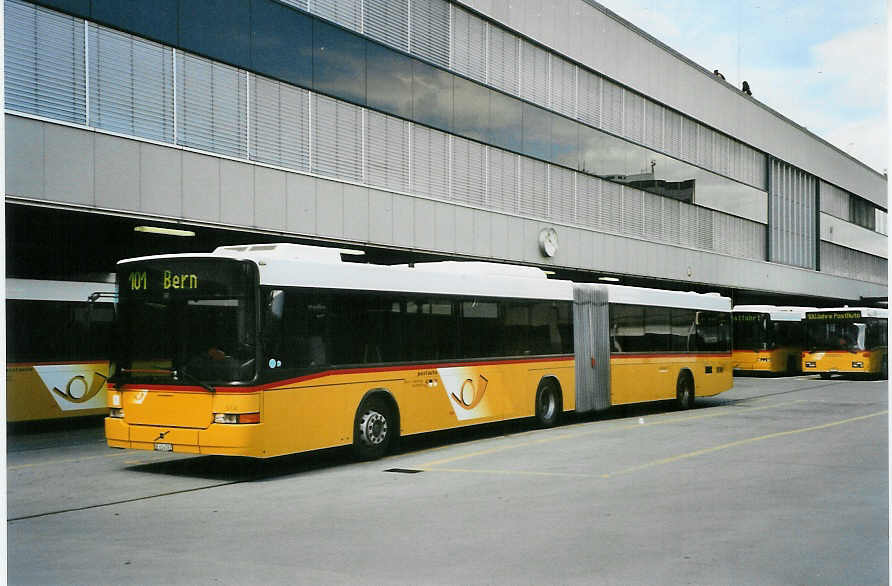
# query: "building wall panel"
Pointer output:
{"type": "Point", "coordinates": [69, 166]}
{"type": "Point", "coordinates": [236, 193]}
{"type": "Point", "coordinates": [201, 187]}
{"type": "Point", "coordinates": [356, 213]}
{"type": "Point", "coordinates": [24, 157]}
{"type": "Point", "coordinates": [117, 172]}
{"type": "Point", "coordinates": [270, 195]}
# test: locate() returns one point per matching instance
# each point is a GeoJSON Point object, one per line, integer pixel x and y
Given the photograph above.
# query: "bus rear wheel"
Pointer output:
{"type": "Point", "coordinates": [373, 429]}
{"type": "Point", "coordinates": [548, 403]}
{"type": "Point", "coordinates": [684, 391]}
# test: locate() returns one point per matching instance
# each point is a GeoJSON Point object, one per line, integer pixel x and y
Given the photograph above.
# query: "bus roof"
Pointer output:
{"type": "Point", "coordinates": [863, 311]}
{"type": "Point", "coordinates": [287, 265]}
{"type": "Point", "coordinates": [775, 312]}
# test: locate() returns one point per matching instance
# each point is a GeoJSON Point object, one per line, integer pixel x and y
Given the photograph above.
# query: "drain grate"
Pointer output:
{"type": "Point", "coordinates": [404, 470]}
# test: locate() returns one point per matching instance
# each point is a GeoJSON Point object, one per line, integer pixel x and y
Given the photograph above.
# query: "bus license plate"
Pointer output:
{"type": "Point", "coordinates": [163, 447]}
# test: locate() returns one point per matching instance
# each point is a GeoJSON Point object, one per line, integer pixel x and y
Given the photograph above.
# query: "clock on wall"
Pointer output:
{"type": "Point", "coordinates": [548, 241]}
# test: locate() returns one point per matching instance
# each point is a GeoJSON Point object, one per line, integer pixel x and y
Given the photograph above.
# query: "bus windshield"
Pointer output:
{"type": "Point", "coordinates": [849, 335]}
{"type": "Point", "coordinates": [752, 332]}
{"type": "Point", "coordinates": [186, 321]}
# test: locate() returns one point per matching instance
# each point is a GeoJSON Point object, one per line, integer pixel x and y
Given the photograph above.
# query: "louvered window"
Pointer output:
{"type": "Point", "coordinates": [612, 107]}
{"type": "Point", "coordinates": [468, 172]}
{"type": "Point", "coordinates": [387, 151]}
{"type": "Point", "coordinates": [44, 63]}
{"type": "Point", "coordinates": [633, 212]}
{"type": "Point", "coordinates": [533, 198]}
{"type": "Point", "coordinates": [563, 86]}
{"type": "Point", "coordinates": [131, 85]}
{"type": "Point", "coordinates": [588, 201]}
{"type": "Point", "coordinates": [653, 124]}
{"type": "Point", "coordinates": [387, 21]}
{"type": "Point", "coordinates": [503, 66]}
{"type": "Point", "coordinates": [211, 106]}
{"type": "Point", "coordinates": [302, 4]}
{"type": "Point", "coordinates": [589, 110]}
{"type": "Point", "coordinates": [503, 170]}
{"type": "Point", "coordinates": [337, 138]}
{"type": "Point", "coordinates": [611, 207]}
{"type": "Point", "coordinates": [347, 13]}
{"type": "Point", "coordinates": [534, 74]}
{"type": "Point", "coordinates": [430, 30]}
{"type": "Point", "coordinates": [280, 124]}
{"type": "Point", "coordinates": [468, 44]}
{"type": "Point", "coordinates": [562, 200]}
{"type": "Point", "coordinates": [430, 162]}
{"type": "Point", "coordinates": [633, 116]}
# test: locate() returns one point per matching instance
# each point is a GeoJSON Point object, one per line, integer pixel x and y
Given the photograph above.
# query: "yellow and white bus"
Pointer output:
{"type": "Point", "coordinates": [846, 340]}
{"type": "Point", "coordinates": [56, 348]}
{"type": "Point", "coordinates": [266, 350]}
{"type": "Point", "coordinates": [768, 339]}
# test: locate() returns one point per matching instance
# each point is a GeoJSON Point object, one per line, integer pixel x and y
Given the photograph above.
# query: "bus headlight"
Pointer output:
{"type": "Point", "coordinates": [810, 364]}
{"type": "Point", "coordinates": [857, 365]}
{"type": "Point", "coordinates": [116, 412]}
{"type": "Point", "coordinates": [236, 418]}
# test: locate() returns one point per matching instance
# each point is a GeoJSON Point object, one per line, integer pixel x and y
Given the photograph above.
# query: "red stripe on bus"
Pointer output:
{"type": "Point", "coordinates": [678, 355]}
{"type": "Point", "coordinates": [56, 362]}
{"type": "Point", "coordinates": [325, 373]}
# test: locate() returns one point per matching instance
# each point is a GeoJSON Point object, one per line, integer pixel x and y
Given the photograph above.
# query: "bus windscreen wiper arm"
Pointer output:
{"type": "Point", "coordinates": [191, 378]}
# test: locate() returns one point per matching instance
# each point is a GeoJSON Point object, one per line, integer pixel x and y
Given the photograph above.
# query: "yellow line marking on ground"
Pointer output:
{"type": "Point", "coordinates": [654, 463]}
{"type": "Point", "coordinates": [741, 443]}
{"type": "Point", "coordinates": [594, 427]}
{"type": "Point", "coordinates": [516, 472]}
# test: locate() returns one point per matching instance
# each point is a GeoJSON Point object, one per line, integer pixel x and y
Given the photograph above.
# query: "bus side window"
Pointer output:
{"type": "Point", "coordinates": [271, 335]}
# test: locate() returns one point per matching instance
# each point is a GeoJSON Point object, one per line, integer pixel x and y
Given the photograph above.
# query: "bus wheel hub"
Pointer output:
{"type": "Point", "coordinates": [373, 428]}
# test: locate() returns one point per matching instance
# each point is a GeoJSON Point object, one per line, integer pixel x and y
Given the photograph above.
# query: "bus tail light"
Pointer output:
{"type": "Point", "coordinates": [116, 412]}
{"type": "Point", "coordinates": [236, 418]}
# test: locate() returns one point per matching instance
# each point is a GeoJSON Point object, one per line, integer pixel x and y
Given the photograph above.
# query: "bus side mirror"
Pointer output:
{"type": "Point", "coordinates": [275, 308]}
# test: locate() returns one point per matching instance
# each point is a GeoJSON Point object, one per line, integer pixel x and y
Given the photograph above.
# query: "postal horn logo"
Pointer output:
{"type": "Point", "coordinates": [470, 394]}
{"type": "Point", "coordinates": [78, 390]}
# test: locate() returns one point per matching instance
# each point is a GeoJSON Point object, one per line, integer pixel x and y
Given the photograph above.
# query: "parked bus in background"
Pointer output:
{"type": "Point", "coordinates": [56, 348]}
{"type": "Point", "coordinates": [846, 340]}
{"type": "Point", "coordinates": [265, 350]}
{"type": "Point", "coordinates": [768, 339]}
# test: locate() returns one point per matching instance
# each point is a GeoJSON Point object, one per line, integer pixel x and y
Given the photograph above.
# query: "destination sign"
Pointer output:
{"type": "Point", "coordinates": [833, 315]}
{"type": "Point", "coordinates": [749, 316]}
{"type": "Point", "coordinates": [139, 280]}
{"type": "Point", "coordinates": [186, 278]}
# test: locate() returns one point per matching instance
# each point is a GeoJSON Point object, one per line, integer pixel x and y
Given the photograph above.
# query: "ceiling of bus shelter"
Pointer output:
{"type": "Point", "coordinates": [52, 243]}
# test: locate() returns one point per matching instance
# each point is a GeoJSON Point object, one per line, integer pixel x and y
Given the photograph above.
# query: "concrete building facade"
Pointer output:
{"type": "Point", "coordinates": [548, 133]}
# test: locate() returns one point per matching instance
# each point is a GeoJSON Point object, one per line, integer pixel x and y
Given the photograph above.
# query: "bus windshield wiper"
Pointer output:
{"type": "Point", "coordinates": [182, 372]}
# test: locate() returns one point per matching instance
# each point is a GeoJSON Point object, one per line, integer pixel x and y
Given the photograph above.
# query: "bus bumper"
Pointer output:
{"type": "Point", "coordinates": [217, 439]}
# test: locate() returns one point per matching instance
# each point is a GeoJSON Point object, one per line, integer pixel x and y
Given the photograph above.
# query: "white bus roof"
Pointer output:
{"type": "Point", "coordinates": [863, 311]}
{"type": "Point", "coordinates": [310, 266]}
{"type": "Point", "coordinates": [47, 290]}
{"type": "Point", "coordinates": [662, 298]}
{"type": "Point", "coordinates": [775, 312]}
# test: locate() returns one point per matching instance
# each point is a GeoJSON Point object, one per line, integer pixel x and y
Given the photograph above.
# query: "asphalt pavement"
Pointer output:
{"type": "Point", "coordinates": [778, 481]}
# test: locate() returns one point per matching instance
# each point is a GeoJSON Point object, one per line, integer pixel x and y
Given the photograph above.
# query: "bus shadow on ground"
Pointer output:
{"type": "Point", "coordinates": [238, 469]}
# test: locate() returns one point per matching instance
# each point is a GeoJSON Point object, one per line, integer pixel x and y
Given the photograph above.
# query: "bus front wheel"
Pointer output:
{"type": "Point", "coordinates": [548, 403]}
{"type": "Point", "coordinates": [373, 429]}
{"type": "Point", "coordinates": [684, 391]}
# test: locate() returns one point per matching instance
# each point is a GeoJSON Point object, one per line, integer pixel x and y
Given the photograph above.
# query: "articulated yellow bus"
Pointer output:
{"type": "Point", "coordinates": [767, 339]}
{"type": "Point", "coordinates": [56, 349]}
{"type": "Point", "coordinates": [846, 340]}
{"type": "Point", "coordinates": [266, 350]}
